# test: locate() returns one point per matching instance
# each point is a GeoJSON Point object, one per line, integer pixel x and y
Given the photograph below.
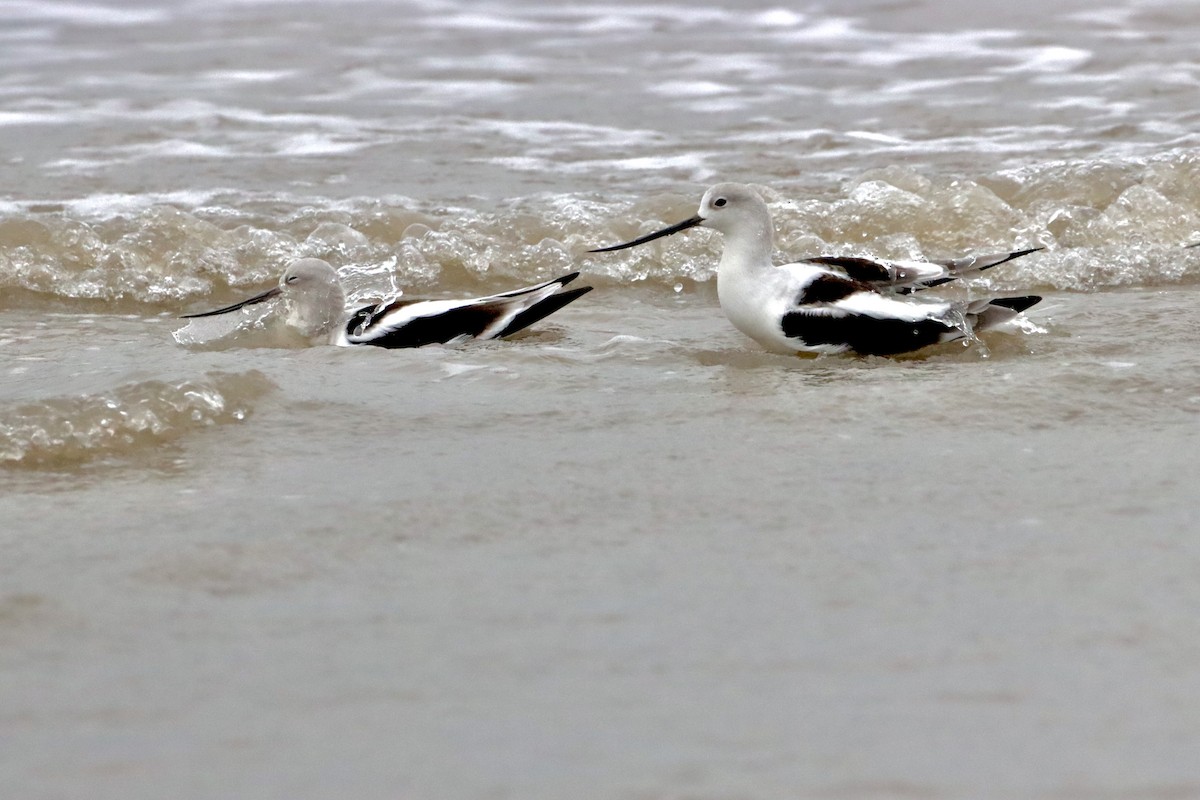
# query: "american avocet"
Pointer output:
{"type": "Point", "coordinates": [831, 304]}
{"type": "Point", "coordinates": [315, 302]}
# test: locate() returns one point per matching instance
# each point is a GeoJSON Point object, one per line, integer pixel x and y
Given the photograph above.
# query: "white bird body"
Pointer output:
{"type": "Point", "coordinates": [832, 304]}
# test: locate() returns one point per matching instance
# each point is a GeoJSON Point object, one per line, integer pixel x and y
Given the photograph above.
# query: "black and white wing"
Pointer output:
{"type": "Point", "coordinates": [906, 276]}
{"type": "Point", "coordinates": [416, 323]}
{"type": "Point", "coordinates": [834, 313]}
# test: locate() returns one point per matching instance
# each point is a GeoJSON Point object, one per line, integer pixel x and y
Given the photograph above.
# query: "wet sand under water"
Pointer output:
{"type": "Point", "coordinates": [596, 562]}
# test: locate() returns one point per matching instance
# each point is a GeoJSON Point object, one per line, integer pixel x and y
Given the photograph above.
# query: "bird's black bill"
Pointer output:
{"type": "Point", "coordinates": [650, 237]}
{"type": "Point", "coordinates": [258, 298]}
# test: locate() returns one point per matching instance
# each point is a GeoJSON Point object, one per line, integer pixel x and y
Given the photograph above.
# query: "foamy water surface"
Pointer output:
{"type": "Point", "coordinates": [625, 554]}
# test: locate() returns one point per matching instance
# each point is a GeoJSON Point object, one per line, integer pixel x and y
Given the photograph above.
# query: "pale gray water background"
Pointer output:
{"type": "Point", "coordinates": [626, 555]}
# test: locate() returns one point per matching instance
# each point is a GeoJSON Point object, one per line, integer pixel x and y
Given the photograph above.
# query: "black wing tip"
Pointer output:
{"type": "Point", "coordinates": [565, 279]}
{"type": "Point", "coordinates": [1019, 253]}
{"type": "Point", "coordinates": [542, 310]}
{"type": "Point", "coordinates": [1017, 304]}
{"type": "Point", "coordinates": [572, 294]}
{"type": "Point", "coordinates": [1013, 255]}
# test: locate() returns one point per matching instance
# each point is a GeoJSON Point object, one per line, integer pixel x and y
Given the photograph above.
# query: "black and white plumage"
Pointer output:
{"type": "Point", "coordinates": [904, 276]}
{"type": "Point", "coordinates": [315, 303]}
{"type": "Point", "coordinates": [833, 304]}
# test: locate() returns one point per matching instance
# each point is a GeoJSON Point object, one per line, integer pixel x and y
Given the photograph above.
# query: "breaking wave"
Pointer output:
{"type": "Point", "coordinates": [1103, 224]}
{"type": "Point", "coordinates": [135, 418]}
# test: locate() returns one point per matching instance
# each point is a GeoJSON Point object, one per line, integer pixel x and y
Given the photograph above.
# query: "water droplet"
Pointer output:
{"type": "Point", "coordinates": [678, 288]}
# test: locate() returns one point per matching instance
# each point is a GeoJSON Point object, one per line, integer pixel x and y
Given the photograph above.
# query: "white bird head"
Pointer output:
{"type": "Point", "coordinates": [311, 292]}
{"type": "Point", "coordinates": [731, 208]}
{"type": "Point", "coordinates": [313, 296]}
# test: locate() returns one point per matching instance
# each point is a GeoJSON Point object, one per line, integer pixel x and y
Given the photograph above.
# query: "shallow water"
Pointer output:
{"type": "Point", "coordinates": [625, 554]}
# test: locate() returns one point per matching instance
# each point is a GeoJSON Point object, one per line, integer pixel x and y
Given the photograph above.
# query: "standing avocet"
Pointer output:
{"type": "Point", "coordinates": [832, 304]}
{"type": "Point", "coordinates": [315, 304]}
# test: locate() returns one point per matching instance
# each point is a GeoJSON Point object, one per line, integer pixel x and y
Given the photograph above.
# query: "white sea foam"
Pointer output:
{"type": "Point", "coordinates": [1114, 17]}
{"type": "Point", "coordinates": [30, 118]}
{"type": "Point", "coordinates": [553, 132]}
{"type": "Point", "coordinates": [487, 22]}
{"type": "Point", "coordinates": [828, 30]}
{"type": "Point", "coordinates": [450, 93]}
{"type": "Point", "coordinates": [719, 105]}
{"type": "Point", "coordinates": [176, 111]}
{"type": "Point", "coordinates": [692, 88]}
{"type": "Point", "coordinates": [693, 165]}
{"type": "Point", "coordinates": [106, 205]}
{"type": "Point", "coordinates": [691, 15]}
{"type": "Point", "coordinates": [777, 18]}
{"type": "Point", "coordinates": [246, 75]}
{"type": "Point", "coordinates": [873, 136]}
{"type": "Point", "coordinates": [950, 88]}
{"type": "Point", "coordinates": [492, 62]}
{"type": "Point", "coordinates": [610, 23]}
{"type": "Point", "coordinates": [938, 47]}
{"type": "Point", "coordinates": [1048, 59]}
{"type": "Point", "coordinates": [315, 144]}
{"type": "Point", "coordinates": [90, 14]}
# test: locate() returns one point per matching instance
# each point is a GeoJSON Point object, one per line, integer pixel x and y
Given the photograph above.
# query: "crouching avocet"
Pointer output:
{"type": "Point", "coordinates": [832, 304]}
{"type": "Point", "coordinates": [315, 304]}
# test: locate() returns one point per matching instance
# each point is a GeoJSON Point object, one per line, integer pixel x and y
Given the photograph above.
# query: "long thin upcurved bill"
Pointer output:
{"type": "Point", "coordinates": [258, 298]}
{"type": "Point", "coordinates": [650, 237]}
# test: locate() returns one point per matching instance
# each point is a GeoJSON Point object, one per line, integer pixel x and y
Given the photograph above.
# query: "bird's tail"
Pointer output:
{"type": "Point", "coordinates": [967, 266]}
{"type": "Point", "coordinates": [542, 309]}
{"type": "Point", "coordinates": [558, 282]}
{"type": "Point", "coordinates": [987, 314]}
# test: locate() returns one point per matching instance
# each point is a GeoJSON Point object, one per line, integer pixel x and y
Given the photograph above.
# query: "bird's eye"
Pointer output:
{"type": "Point", "coordinates": [292, 279]}
{"type": "Point", "coordinates": [720, 202]}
